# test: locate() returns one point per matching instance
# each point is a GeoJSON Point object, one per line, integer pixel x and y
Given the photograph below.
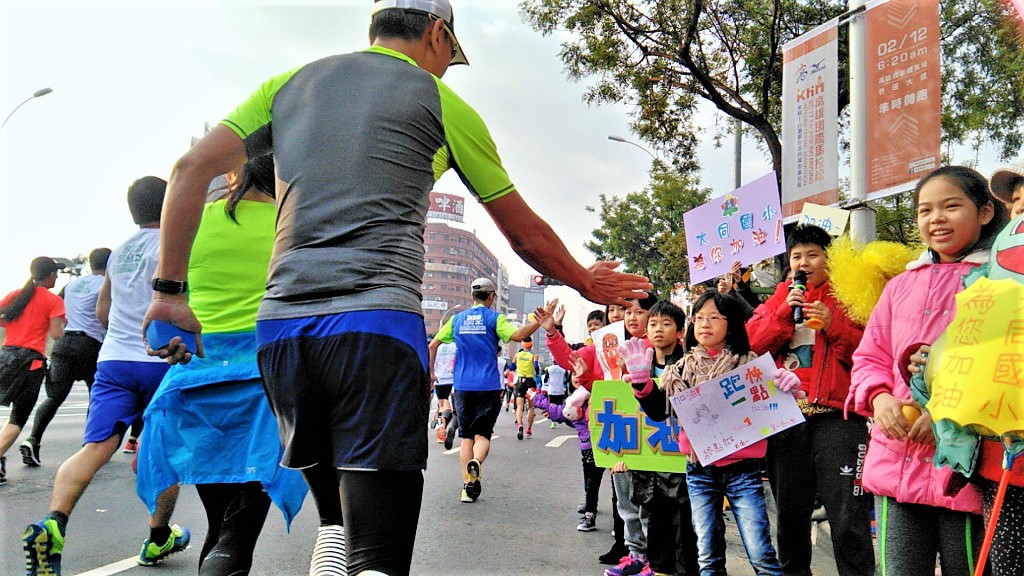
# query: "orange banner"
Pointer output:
{"type": "Point", "coordinates": [904, 94]}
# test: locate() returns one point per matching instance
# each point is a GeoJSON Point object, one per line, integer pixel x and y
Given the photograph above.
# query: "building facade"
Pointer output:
{"type": "Point", "coordinates": [453, 258]}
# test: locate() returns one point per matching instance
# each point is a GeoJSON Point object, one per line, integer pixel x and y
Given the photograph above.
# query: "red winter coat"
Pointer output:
{"type": "Point", "coordinates": [827, 380]}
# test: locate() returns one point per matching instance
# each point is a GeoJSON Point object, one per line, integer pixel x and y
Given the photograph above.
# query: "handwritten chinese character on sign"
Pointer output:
{"type": "Point", "coordinates": [699, 263]}
{"type": "Point", "coordinates": [716, 254]}
{"type": "Point", "coordinates": [753, 375]}
{"type": "Point", "coordinates": [760, 237]}
{"type": "Point", "coordinates": [769, 212]}
{"type": "Point", "coordinates": [723, 230]}
{"type": "Point", "coordinates": [731, 385]}
{"type": "Point", "coordinates": [746, 221]}
{"type": "Point", "coordinates": [1010, 370]}
{"type": "Point", "coordinates": [736, 245]}
{"type": "Point", "coordinates": [967, 331]}
{"type": "Point", "coordinates": [1015, 332]}
{"type": "Point", "coordinates": [621, 434]}
{"type": "Point", "coordinates": [702, 239]}
{"type": "Point", "coordinates": [953, 362]}
{"type": "Point", "coordinates": [982, 299]}
{"type": "Point", "coordinates": [664, 436]}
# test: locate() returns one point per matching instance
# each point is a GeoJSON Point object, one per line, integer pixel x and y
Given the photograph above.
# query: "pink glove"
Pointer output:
{"type": "Point", "coordinates": [638, 358]}
{"type": "Point", "coordinates": [786, 380]}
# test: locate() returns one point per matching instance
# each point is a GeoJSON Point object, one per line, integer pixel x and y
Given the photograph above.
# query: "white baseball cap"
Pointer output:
{"type": "Point", "coordinates": [439, 8]}
{"type": "Point", "coordinates": [483, 285]}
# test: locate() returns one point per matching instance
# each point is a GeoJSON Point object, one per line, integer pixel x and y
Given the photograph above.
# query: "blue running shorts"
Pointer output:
{"type": "Point", "coordinates": [119, 395]}
{"type": "Point", "coordinates": [352, 387]}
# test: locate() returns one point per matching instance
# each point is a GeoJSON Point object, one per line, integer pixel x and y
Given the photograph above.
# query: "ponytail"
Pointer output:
{"type": "Point", "coordinates": [13, 310]}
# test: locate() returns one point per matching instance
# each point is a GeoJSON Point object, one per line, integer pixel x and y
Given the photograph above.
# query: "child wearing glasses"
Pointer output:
{"type": "Point", "coordinates": [716, 343]}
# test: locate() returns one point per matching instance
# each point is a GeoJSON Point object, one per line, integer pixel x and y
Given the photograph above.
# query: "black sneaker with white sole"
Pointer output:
{"type": "Point", "coordinates": [30, 453]}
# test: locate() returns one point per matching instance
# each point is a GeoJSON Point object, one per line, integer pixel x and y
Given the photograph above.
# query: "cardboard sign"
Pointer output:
{"type": "Point", "coordinates": [745, 225]}
{"type": "Point", "coordinates": [621, 432]}
{"type": "Point", "coordinates": [734, 410]}
{"type": "Point", "coordinates": [829, 219]}
{"type": "Point", "coordinates": [976, 368]}
{"type": "Point", "coordinates": [606, 346]}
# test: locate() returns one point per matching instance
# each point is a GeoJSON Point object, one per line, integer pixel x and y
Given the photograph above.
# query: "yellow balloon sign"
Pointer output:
{"type": "Point", "coordinates": [976, 368]}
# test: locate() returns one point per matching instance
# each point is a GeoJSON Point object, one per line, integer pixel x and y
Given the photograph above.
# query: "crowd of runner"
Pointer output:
{"type": "Point", "coordinates": [269, 303]}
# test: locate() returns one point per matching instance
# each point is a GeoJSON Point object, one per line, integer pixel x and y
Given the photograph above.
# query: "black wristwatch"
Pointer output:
{"type": "Point", "coordinates": [169, 286]}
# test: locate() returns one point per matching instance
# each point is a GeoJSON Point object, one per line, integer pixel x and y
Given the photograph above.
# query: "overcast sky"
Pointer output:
{"type": "Point", "coordinates": [134, 81]}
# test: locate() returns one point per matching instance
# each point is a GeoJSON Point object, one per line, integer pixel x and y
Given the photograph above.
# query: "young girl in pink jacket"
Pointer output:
{"type": "Point", "coordinates": [916, 517]}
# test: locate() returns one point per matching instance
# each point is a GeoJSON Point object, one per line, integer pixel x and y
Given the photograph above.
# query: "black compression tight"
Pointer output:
{"type": "Point", "coordinates": [236, 513]}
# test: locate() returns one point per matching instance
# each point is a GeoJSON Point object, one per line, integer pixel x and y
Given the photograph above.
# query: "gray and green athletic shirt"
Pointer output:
{"type": "Point", "coordinates": [359, 140]}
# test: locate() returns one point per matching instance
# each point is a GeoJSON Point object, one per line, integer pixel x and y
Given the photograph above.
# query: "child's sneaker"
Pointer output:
{"type": "Point", "coordinates": [153, 553]}
{"type": "Point", "coordinates": [3, 470]}
{"type": "Point", "coordinates": [628, 566]}
{"type": "Point", "coordinates": [647, 571]}
{"type": "Point", "coordinates": [587, 522]}
{"type": "Point", "coordinates": [519, 434]}
{"type": "Point", "coordinates": [529, 432]}
{"type": "Point", "coordinates": [465, 498]}
{"type": "Point", "coordinates": [43, 544]}
{"type": "Point", "coordinates": [554, 425]}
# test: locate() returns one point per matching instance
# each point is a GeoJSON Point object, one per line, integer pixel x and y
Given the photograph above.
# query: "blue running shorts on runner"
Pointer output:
{"type": "Point", "coordinates": [353, 385]}
{"type": "Point", "coordinates": [119, 396]}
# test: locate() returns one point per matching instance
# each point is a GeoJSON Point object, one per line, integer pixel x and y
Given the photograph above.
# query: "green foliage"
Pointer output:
{"type": "Point", "coordinates": [645, 229]}
{"type": "Point", "coordinates": [896, 220]}
{"type": "Point", "coordinates": [664, 56]}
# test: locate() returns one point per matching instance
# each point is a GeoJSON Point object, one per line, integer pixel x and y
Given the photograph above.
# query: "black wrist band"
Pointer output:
{"type": "Point", "coordinates": [169, 286]}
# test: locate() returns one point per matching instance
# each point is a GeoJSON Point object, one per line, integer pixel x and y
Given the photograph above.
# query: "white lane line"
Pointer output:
{"type": "Point", "coordinates": [559, 440]}
{"type": "Point", "coordinates": [115, 568]}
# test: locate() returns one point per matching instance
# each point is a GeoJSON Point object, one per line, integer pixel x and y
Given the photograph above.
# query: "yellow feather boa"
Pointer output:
{"type": "Point", "coordinates": [858, 274]}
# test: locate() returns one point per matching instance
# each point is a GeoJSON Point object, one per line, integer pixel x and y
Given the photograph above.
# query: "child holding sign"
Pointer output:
{"type": "Point", "coordinates": [917, 518]}
{"type": "Point", "coordinates": [716, 343]}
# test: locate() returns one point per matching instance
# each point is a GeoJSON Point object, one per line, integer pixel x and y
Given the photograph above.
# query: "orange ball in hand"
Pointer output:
{"type": "Point", "coordinates": [911, 413]}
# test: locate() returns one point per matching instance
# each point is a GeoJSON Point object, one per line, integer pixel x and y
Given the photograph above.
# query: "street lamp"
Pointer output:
{"type": "Point", "coordinates": [440, 322]}
{"type": "Point", "coordinates": [615, 138]}
{"type": "Point", "coordinates": [36, 94]}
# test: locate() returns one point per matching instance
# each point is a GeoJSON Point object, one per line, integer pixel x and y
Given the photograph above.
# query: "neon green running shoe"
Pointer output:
{"type": "Point", "coordinates": [43, 544]}
{"type": "Point", "coordinates": [153, 553]}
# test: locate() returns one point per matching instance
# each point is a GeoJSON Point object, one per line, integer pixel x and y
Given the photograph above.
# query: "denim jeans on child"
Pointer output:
{"type": "Point", "coordinates": [741, 484]}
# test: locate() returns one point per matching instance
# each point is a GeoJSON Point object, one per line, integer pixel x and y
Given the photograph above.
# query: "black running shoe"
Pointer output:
{"type": "Point", "coordinates": [30, 453]}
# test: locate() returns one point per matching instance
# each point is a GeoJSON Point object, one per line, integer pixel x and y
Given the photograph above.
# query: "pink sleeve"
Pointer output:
{"type": "Point", "coordinates": [873, 360]}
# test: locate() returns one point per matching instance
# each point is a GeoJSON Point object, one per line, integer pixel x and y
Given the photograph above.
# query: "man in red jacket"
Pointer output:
{"type": "Point", "coordinates": [825, 454]}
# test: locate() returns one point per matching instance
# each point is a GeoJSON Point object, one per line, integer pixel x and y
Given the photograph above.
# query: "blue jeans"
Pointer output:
{"type": "Point", "coordinates": [741, 484]}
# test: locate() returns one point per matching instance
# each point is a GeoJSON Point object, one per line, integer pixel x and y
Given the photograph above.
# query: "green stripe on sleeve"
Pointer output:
{"type": "Point", "coordinates": [255, 112]}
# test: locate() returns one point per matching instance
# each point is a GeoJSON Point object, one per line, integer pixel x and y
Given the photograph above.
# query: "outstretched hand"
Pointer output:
{"type": "Point", "coordinates": [638, 359]}
{"type": "Point", "coordinates": [545, 315]}
{"type": "Point", "coordinates": [606, 286]}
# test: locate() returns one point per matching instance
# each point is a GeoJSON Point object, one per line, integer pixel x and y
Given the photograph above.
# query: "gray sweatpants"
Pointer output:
{"type": "Point", "coordinates": [634, 518]}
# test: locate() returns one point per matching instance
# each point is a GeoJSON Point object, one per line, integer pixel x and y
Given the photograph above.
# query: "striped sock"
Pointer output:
{"type": "Point", "coordinates": [329, 552]}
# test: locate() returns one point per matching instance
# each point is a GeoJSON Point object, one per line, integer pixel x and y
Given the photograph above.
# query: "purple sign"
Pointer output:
{"type": "Point", "coordinates": [744, 225]}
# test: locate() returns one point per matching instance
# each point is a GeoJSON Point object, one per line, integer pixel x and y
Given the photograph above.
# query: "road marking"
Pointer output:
{"type": "Point", "coordinates": [115, 568]}
{"type": "Point", "coordinates": [558, 441]}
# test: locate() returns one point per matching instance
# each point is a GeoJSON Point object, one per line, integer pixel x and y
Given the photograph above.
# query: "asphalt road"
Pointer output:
{"type": "Point", "coordinates": [524, 523]}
